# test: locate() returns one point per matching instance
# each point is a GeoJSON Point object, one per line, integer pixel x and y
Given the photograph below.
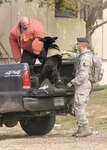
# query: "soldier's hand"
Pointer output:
{"type": "Point", "coordinates": [63, 53]}
{"type": "Point", "coordinates": [69, 85]}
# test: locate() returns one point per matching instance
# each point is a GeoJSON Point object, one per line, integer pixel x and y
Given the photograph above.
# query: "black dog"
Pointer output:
{"type": "Point", "coordinates": [51, 65]}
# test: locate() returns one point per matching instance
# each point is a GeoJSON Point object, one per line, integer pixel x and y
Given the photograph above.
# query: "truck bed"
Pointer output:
{"type": "Point", "coordinates": [13, 98]}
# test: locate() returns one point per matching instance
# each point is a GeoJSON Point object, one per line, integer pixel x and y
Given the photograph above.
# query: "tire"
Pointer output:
{"type": "Point", "coordinates": [38, 125]}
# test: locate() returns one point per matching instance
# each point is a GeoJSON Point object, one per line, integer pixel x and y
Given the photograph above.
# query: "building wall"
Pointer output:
{"type": "Point", "coordinates": [64, 28]}
{"type": "Point", "coordinates": [67, 29]}
{"type": "Point", "coordinates": [5, 25]}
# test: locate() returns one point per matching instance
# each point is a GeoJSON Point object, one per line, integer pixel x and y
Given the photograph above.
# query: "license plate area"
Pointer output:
{"type": "Point", "coordinates": [59, 101]}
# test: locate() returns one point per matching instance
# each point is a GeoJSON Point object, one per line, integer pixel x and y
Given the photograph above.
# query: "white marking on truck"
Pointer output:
{"type": "Point", "coordinates": [12, 73]}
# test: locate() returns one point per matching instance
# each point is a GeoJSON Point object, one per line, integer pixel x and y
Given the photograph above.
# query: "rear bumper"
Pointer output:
{"type": "Point", "coordinates": [45, 104]}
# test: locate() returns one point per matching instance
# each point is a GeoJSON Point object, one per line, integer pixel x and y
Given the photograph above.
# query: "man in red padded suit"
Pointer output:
{"type": "Point", "coordinates": [25, 36]}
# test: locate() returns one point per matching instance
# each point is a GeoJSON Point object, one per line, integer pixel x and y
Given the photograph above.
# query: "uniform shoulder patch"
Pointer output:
{"type": "Point", "coordinates": [86, 62]}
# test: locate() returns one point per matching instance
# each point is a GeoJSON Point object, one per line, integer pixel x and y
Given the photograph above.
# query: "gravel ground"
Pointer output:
{"type": "Point", "coordinates": [16, 139]}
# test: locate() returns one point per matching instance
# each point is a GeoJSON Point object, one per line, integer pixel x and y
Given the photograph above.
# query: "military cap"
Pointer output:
{"type": "Point", "coordinates": [82, 40]}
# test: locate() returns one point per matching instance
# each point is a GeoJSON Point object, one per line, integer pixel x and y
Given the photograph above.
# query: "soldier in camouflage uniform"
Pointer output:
{"type": "Point", "coordinates": [82, 86]}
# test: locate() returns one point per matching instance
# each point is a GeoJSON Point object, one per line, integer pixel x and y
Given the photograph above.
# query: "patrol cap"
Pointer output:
{"type": "Point", "coordinates": [53, 52]}
{"type": "Point", "coordinates": [82, 40]}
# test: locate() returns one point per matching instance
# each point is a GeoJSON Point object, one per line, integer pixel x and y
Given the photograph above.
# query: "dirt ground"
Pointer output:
{"type": "Point", "coordinates": [58, 138]}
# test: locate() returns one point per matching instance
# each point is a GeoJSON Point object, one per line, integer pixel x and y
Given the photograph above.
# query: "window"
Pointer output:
{"type": "Point", "coordinates": [70, 10]}
{"type": "Point", "coordinates": [61, 11]}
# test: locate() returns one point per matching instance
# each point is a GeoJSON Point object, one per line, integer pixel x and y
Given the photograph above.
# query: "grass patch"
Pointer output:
{"type": "Point", "coordinates": [96, 113]}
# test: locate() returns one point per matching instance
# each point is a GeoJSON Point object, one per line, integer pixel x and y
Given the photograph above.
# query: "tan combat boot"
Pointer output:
{"type": "Point", "coordinates": [86, 131]}
{"type": "Point", "coordinates": [79, 130]}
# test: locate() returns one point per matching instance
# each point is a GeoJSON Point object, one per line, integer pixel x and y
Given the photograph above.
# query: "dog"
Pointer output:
{"type": "Point", "coordinates": [51, 66]}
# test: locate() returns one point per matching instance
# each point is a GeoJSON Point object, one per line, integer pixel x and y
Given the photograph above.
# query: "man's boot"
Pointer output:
{"type": "Point", "coordinates": [79, 130]}
{"type": "Point", "coordinates": [86, 131]}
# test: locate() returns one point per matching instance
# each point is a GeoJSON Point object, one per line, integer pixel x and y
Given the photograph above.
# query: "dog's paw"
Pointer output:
{"type": "Point", "coordinates": [58, 84]}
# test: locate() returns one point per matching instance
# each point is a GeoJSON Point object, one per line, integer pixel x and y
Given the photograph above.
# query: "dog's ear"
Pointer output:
{"type": "Point", "coordinates": [42, 40]}
{"type": "Point", "coordinates": [55, 38]}
{"type": "Point", "coordinates": [48, 39]}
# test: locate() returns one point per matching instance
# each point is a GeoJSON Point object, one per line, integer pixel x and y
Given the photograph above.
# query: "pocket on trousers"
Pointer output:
{"type": "Point", "coordinates": [80, 99]}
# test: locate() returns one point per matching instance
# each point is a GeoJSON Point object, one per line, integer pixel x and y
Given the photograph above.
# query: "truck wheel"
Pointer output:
{"type": "Point", "coordinates": [38, 125]}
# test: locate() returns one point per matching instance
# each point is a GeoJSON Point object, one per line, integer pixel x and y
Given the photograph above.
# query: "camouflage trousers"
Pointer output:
{"type": "Point", "coordinates": [80, 105]}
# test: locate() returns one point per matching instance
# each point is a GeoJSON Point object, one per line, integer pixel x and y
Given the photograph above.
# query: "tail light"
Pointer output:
{"type": "Point", "coordinates": [26, 81]}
